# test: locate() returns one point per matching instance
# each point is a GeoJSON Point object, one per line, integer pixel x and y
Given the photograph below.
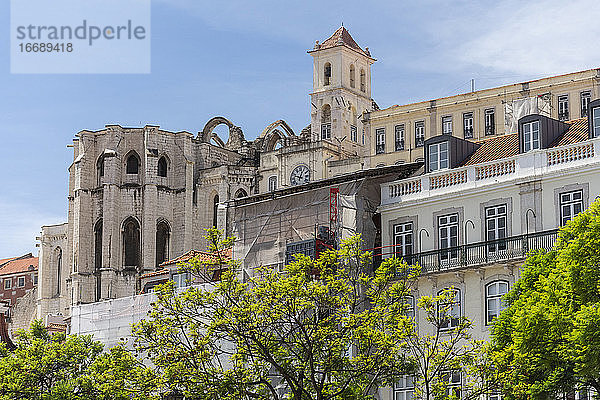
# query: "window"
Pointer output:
{"type": "Point", "coordinates": [100, 170]}
{"type": "Point", "coordinates": [403, 239]}
{"type": "Point", "coordinates": [181, 280]}
{"type": "Point", "coordinates": [7, 283]}
{"type": "Point", "coordinates": [531, 136]}
{"type": "Point", "coordinates": [448, 236]}
{"type": "Point", "coordinates": [453, 382]}
{"type": "Point", "coordinates": [409, 303]}
{"type": "Point", "coordinates": [495, 226]}
{"type": "Point", "coordinates": [353, 133]}
{"type": "Point", "coordinates": [447, 125]}
{"type": "Point", "coordinates": [162, 167]}
{"type": "Point", "coordinates": [419, 134]}
{"type": "Point", "coordinates": [596, 121]}
{"type": "Point", "coordinates": [58, 257]}
{"type": "Point", "coordinates": [468, 125]}
{"type": "Point", "coordinates": [438, 156]}
{"type": "Point", "coordinates": [585, 97]}
{"type": "Point", "coordinates": [380, 146]}
{"type": "Point", "coordinates": [571, 204]}
{"type": "Point", "coordinates": [272, 183]}
{"type": "Point", "coordinates": [163, 233]}
{"type": "Point", "coordinates": [327, 74]}
{"type": "Point", "coordinates": [449, 312]}
{"type": "Point", "coordinates": [493, 300]}
{"type": "Point", "coordinates": [133, 164]}
{"type": "Point", "coordinates": [563, 107]}
{"type": "Point", "coordinates": [326, 122]}
{"type": "Point", "coordinates": [35, 279]}
{"type": "Point", "coordinates": [490, 121]}
{"type": "Point", "coordinates": [363, 136]}
{"type": "Point", "coordinates": [215, 209]}
{"type": "Point", "coordinates": [363, 79]}
{"type": "Point", "coordinates": [131, 243]}
{"type": "Point", "coordinates": [399, 137]}
{"type": "Point", "coordinates": [352, 76]}
{"type": "Point", "coordinates": [98, 258]}
{"type": "Point", "coordinates": [20, 281]}
{"type": "Point", "coordinates": [404, 389]}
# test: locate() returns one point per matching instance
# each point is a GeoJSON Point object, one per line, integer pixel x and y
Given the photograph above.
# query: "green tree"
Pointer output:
{"type": "Point", "coordinates": [67, 367]}
{"type": "Point", "coordinates": [547, 340]}
{"type": "Point", "coordinates": [324, 329]}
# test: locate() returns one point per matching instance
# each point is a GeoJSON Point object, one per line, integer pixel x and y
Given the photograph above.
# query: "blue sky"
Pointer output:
{"type": "Point", "coordinates": [247, 61]}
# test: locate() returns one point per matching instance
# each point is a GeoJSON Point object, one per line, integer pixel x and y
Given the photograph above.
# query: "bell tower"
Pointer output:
{"type": "Point", "coordinates": [341, 91]}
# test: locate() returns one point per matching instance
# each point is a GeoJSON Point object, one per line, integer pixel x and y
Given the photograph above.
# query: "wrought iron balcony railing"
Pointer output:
{"type": "Point", "coordinates": [475, 254]}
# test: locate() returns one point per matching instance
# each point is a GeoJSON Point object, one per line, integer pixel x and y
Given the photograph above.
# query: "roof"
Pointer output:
{"type": "Point", "coordinates": [341, 37]}
{"type": "Point", "coordinates": [508, 145]}
{"type": "Point", "coordinates": [201, 255]}
{"type": "Point", "coordinates": [16, 265]}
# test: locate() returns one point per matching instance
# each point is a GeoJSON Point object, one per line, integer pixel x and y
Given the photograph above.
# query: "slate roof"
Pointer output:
{"type": "Point", "coordinates": [508, 145]}
{"type": "Point", "coordinates": [341, 37]}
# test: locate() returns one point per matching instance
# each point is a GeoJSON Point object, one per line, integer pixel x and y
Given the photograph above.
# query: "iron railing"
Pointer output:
{"type": "Point", "coordinates": [474, 254]}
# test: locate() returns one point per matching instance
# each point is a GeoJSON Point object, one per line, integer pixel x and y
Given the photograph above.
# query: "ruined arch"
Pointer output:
{"type": "Point", "coordinates": [234, 140]}
{"type": "Point", "coordinates": [133, 163]}
{"type": "Point", "coordinates": [274, 133]}
{"type": "Point", "coordinates": [163, 239]}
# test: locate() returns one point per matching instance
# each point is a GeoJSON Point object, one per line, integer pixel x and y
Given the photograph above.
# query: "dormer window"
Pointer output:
{"type": "Point", "coordinates": [438, 156]}
{"type": "Point", "coordinates": [596, 121]}
{"type": "Point", "coordinates": [531, 136]}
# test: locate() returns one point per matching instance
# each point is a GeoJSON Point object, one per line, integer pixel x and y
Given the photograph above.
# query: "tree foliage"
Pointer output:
{"type": "Point", "coordinates": [69, 367]}
{"type": "Point", "coordinates": [548, 339]}
{"type": "Point", "coordinates": [324, 329]}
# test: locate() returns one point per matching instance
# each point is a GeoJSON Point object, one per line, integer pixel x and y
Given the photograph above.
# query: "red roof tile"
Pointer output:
{"type": "Point", "coordinates": [202, 255]}
{"type": "Point", "coordinates": [577, 132]}
{"type": "Point", "coordinates": [19, 264]}
{"type": "Point", "coordinates": [342, 37]}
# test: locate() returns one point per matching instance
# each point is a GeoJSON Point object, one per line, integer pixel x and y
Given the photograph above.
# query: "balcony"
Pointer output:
{"type": "Point", "coordinates": [490, 130]}
{"type": "Point", "coordinates": [563, 116]}
{"type": "Point", "coordinates": [526, 165]}
{"type": "Point", "coordinates": [380, 148]}
{"type": "Point", "coordinates": [476, 254]}
{"type": "Point", "coordinates": [399, 145]}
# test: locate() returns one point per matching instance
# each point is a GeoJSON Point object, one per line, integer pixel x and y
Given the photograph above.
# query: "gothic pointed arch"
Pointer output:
{"type": "Point", "coordinates": [58, 262]}
{"type": "Point", "coordinates": [275, 133]}
{"type": "Point", "coordinates": [241, 193]}
{"type": "Point", "coordinates": [100, 170]}
{"type": "Point", "coordinates": [162, 167]}
{"type": "Point", "coordinates": [131, 240]}
{"type": "Point", "coordinates": [98, 258]}
{"type": "Point", "coordinates": [133, 163]}
{"type": "Point", "coordinates": [163, 236]}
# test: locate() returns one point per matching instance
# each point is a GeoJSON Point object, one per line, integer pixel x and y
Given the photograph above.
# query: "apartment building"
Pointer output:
{"type": "Point", "coordinates": [479, 207]}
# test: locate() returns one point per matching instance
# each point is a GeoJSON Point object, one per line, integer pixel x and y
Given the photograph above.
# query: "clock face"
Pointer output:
{"type": "Point", "coordinates": [300, 175]}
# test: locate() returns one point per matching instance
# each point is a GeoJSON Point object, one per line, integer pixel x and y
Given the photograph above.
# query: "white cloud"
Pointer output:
{"type": "Point", "coordinates": [20, 223]}
{"type": "Point", "coordinates": [527, 38]}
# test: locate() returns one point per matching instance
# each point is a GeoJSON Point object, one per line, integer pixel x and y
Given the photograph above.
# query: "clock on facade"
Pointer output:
{"type": "Point", "coordinates": [300, 175]}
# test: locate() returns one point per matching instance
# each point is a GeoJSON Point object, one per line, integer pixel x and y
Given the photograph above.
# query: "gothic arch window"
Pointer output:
{"type": "Point", "coordinates": [163, 234]}
{"type": "Point", "coordinates": [131, 243]}
{"type": "Point", "coordinates": [352, 76]}
{"type": "Point", "coordinates": [241, 193]}
{"type": "Point", "coordinates": [363, 81]}
{"type": "Point", "coordinates": [162, 167]}
{"type": "Point", "coordinates": [58, 257]}
{"type": "Point", "coordinates": [133, 164]}
{"type": "Point", "coordinates": [215, 209]}
{"type": "Point", "coordinates": [327, 74]}
{"type": "Point", "coordinates": [100, 170]}
{"type": "Point", "coordinates": [98, 258]}
{"type": "Point", "coordinates": [273, 183]}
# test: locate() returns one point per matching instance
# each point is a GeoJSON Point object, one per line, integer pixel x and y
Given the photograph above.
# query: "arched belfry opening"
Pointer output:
{"type": "Point", "coordinates": [98, 259]}
{"type": "Point", "coordinates": [327, 74]}
{"type": "Point", "coordinates": [326, 122]}
{"type": "Point", "coordinates": [352, 76]}
{"type": "Point", "coordinates": [131, 243]}
{"type": "Point", "coordinates": [163, 235]}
